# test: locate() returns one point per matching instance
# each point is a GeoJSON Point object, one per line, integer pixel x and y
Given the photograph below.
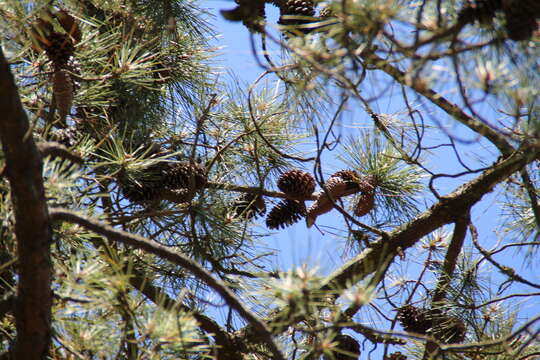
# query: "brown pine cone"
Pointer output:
{"type": "Point", "coordinates": [365, 204]}
{"type": "Point", "coordinates": [296, 184]}
{"type": "Point", "coordinates": [63, 92]}
{"type": "Point", "coordinates": [414, 319]}
{"type": "Point", "coordinates": [336, 187]}
{"type": "Point", "coordinates": [285, 213]}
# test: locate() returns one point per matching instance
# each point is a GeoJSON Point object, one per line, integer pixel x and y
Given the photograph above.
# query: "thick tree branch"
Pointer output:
{"type": "Point", "coordinates": [450, 260]}
{"type": "Point", "coordinates": [533, 196]}
{"type": "Point", "coordinates": [32, 225]}
{"type": "Point", "coordinates": [152, 247]}
{"type": "Point", "coordinates": [449, 265]}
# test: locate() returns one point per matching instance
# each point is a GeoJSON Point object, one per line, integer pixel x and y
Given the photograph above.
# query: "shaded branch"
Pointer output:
{"type": "Point", "coordinates": [532, 192]}
{"type": "Point", "coordinates": [449, 265]}
{"type": "Point", "coordinates": [32, 226]}
{"type": "Point", "coordinates": [163, 252]}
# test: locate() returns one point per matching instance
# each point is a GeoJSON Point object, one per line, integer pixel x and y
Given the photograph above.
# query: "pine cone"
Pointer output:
{"type": "Point", "coordinates": [395, 356]}
{"type": "Point", "coordinates": [183, 175]}
{"type": "Point", "coordinates": [148, 187]}
{"type": "Point", "coordinates": [365, 204]}
{"type": "Point", "coordinates": [347, 175]}
{"type": "Point", "coordinates": [60, 48]}
{"type": "Point", "coordinates": [296, 184]}
{"type": "Point", "coordinates": [413, 319]}
{"type": "Point", "coordinates": [448, 329]}
{"type": "Point", "coordinates": [285, 213]}
{"type": "Point", "coordinates": [521, 18]}
{"type": "Point", "coordinates": [336, 187]}
{"type": "Point", "coordinates": [479, 10]}
{"type": "Point", "coordinates": [345, 343]}
{"type": "Point", "coordinates": [249, 206]}
{"type": "Point", "coordinates": [63, 92]}
{"type": "Point", "coordinates": [296, 8]}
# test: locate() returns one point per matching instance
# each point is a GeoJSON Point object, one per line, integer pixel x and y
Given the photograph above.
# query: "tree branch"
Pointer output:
{"type": "Point", "coordinates": [32, 225]}
{"type": "Point", "coordinates": [454, 248]}
{"type": "Point", "coordinates": [152, 247]}
{"type": "Point", "coordinates": [532, 192]}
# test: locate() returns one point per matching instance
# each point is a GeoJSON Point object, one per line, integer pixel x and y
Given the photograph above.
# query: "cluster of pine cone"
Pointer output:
{"type": "Point", "coordinates": [521, 16]}
{"type": "Point", "coordinates": [59, 47]}
{"type": "Point", "coordinates": [148, 184]}
{"type": "Point", "coordinates": [299, 185]}
{"type": "Point", "coordinates": [292, 12]}
{"type": "Point", "coordinates": [445, 328]}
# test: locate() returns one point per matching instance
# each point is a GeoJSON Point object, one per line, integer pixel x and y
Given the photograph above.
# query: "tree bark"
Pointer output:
{"type": "Point", "coordinates": [32, 225]}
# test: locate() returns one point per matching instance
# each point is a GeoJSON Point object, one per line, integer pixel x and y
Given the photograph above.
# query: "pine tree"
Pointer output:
{"type": "Point", "coordinates": [134, 177]}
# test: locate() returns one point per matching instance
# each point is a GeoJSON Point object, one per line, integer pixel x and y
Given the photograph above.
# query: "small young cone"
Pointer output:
{"type": "Point", "coordinates": [63, 92]}
{"type": "Point", "coordinates": [296, 184]}
{"type": "Point", "coordinates": [336, 187]}
{"type": "Point", "coordinates": [365, 204]}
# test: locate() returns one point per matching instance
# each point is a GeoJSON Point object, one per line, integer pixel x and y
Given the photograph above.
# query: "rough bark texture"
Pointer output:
{"type": "Point", "coordinates": [32, 226]}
